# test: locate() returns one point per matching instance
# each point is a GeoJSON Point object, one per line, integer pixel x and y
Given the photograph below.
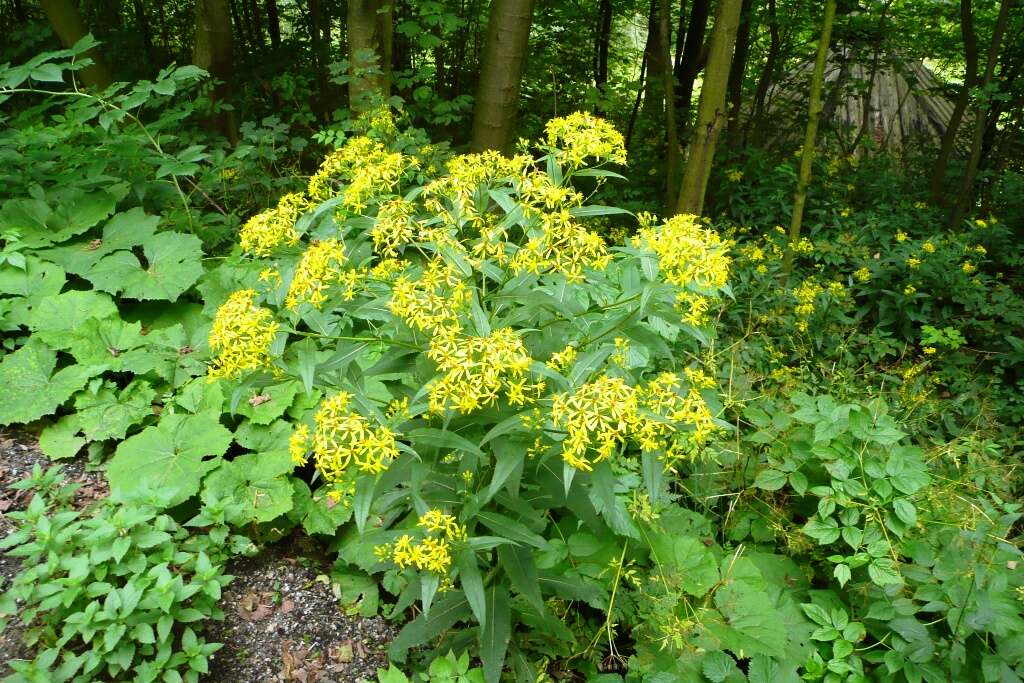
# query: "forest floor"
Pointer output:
{"type": "Point", "coordinates": [282, 621]}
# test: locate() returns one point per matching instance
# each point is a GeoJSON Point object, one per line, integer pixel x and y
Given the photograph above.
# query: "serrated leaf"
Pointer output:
{"type": "Point", "coordinates": [109, 415]}
{"type": "Point", "coordinates": [170, 457]}
{"type": "Point", "coordinates": [451, 608]}
{"type": "Point", "coordinates": [265, 405]}
{"type": "Point", "coordinates": [717, 666]}
{"type": "Point", "coordinates": [173, 265]}
{"type": "Point", "coordinates": [55, 318]}
{"type": "Point", "coordinates": [61, 440]}
{"type": "Point", "coordinates": [770, 480]}
{"type": "Point", "coordinates": [32, 388]}
{"type": "Point", "coordinates": [257, 481]}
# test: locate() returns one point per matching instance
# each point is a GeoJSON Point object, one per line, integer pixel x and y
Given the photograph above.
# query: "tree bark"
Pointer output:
{"type": "Point", "coordinates": [739, 70]}
{"type": "Point", "coordinates": [273, 23]}
{"type": "Point", "coordinates": [981, 111]}
{"type": "Point", "coordinates": [320, 58]}
{"type": "Point", "coordinates": [636, 102]}
{"type": "Point", "coordinates": [601, 44]}
{"type": "Point", "coordinates": [810, 134]}
{"type": "Point", "coordinates": [711, 109]}
{"type": "Point", "coordinates": [757, 119]}
{"type": "Point", "coordinates": [68, 25]}
{"type": "Point", "coordinates": [664, 16]}
{"type": "Point", "coordinates": [938, 175]}
{"type": "Point", "coordinates": [369, 48]}
{"type": "Point", "coordinates": [690, 61]}
{"type": "Point", "coordinates": [501, 70]}
{"type": "Point", "coordinates": [257, 24]}
{"type": "Point", "coordinates": [654, 90]}
{"type": "Point", "coordinates": [213, 52]}
{"type": "Point", "coordinates": [147, 34]}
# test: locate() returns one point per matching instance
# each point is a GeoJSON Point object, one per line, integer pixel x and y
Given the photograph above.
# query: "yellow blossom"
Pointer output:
{"type": "Point", "coordinates": [262, 233]}
{"type": "Point", "coordinates": [901, 236]}
{"type": "Point", "coordinates": [862, 274]}
{"type": "Point", "coordinates": [476, 369]}
{"type": "Point", "coordinates": [968, 267]}
{"type": "Point", "coordinates": [734, 175]}
{"type": "Point", "coordinates": [319, 267]}
{"type": "Point", "coordinates": [365, 168]}
{"type": "Point", "coordinates": [913, 262]}
{"type": "Point", "coordinates": [343, 438]}
{"type": "Point", "coordinates": [581, 136]}
{"type": "Point", "coordinates": [241, 336]}
{"type": "Point", "coordinates": [298, 445]}
{"type": "Point", "coordinates": [393, 228]}
{"type": "Point", "coordinates": [909, 289]}
{"type": "Point", "coordinates": [929, 350]}
{"type": "Point", "coordinates": [561, 360]}
{"type": "Point", "coordinates": [688, 253]}
{"type": "Point", "coordinates": [928, 247]}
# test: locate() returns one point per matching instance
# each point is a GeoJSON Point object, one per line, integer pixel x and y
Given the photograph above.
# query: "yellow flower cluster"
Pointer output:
{"type": "Point", "coordinates": [803, 246]}
{"type": "Point", "coordinates": [601, 416]}
{"type": "Point", "coordinates": [430, 553]}
{"type": "Point", "coordinates": [393, 228]}
{"type": "Point", "coordinates": [693, 308]}
{"type": "Point", "coordinates": [476, 369]}
{"type": "Point", "coordinates": [564, 246]}
{"type": "Point", "coordinates": [434, 301]}
{"type": "Point", "coordinates": [968, 267]}
{"type": "Point", "coordinates": [688, 252]}
{"type": "Point", "coordinates": [805, 293]}
{"type": "Point", "coordinates": [580, 136]}
{"type": "Point", "coordinates": [734, 175]}
{"type": "Point", "coordinates": [319, 267]}
{"type": "Point", "coordinates": [466, 173]}
{"type": "Point", "coordinates": [561, 360]}
{"type": "Point", "coordinates": [928, 247]}
{"type": "Point", "coordinates": [862, 274]}
{"type": "Point", "coordinates": [343, 438]}
{"type": "Point", "coordinates": [370, 169]}
{"type": "Point", "coordinates": [298, 445]}
{"type": "Point", "coordinates": [241, 336]}
{"type": "Point", "coordinates": [262, 233]}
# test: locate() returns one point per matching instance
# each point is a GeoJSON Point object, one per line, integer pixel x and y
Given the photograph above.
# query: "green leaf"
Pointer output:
{"type": "Point", "coordinates": [610, 507]}
{"type": "Point", "coordinates": [446, 612]}
{"type": "Point", "coordinates": [824, 532]}
{"type": "Point", "coordinates": [472, 584]}
{"type": "Point", "coordinates": [442, 439]}
{"type": "Point", "coordinates": [905, 510]}
{"type": "Point", "coordinates": [884, 572]}
{"type": "Point", "coordinates": [32, 389]}
{"type": "Point", "coordinates": [267, 404]}
{"type": "Point", "coordinates": [108, 415]}
{"type": "Point", "coordinates": [717, 666]}
{"type": "Point", "coordinates": [510, 529]}
{"type": "Point", "coordinates": [257, 481]}
{"type": "Point", "coordinates": [173, 265]}
{"type": "Point", "coordinates": [60, 440]}
{"type": "Point", "coordinates": [318, 513]}
{"type": "Point", "coordinates": [169, 458]}
{"type": "Point", "coordinates": [55, 318]}
{"type": "Point", "coordinates": [686, 555]}
{"type": "Point", "coordinates": [495, 633]}
{"type": "Point", "coordinates": [770, 480]}
{"type": "Point", "coordinates": [123, 231]}
{"type": "Point", "coordinates": [519, 566]}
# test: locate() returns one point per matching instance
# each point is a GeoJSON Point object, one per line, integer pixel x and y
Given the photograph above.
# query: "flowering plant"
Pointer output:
{"type": "Point", "coordinates": [482, 372]}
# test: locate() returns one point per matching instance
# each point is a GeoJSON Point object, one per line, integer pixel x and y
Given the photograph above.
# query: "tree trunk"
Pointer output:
{"type": "Point", "coordinates": [757, 119]}
{"type": "Point", "coordinates": [603, 40]}
{"type": "Point", "coordinates": [664, 16]}
{"type": "Point", "coordinates": [68, 25]}
{"type": "Point", "coordinates": [369, 48]}
{"type": "Point", "coordinates": [938, 176]}
{"type": "Point", "coordinates": [147, 34]}
{"type": "Point", "coordinates": [711, 110]}
{"type": "Point", "coordinates": [501, 70]}
{"type": "Point", "coordinates": [636, 102]}
{"type": "Point", "coordinates": [810, 134]}
{"type": "Point", "coordinates": [273, 23]}
{"type": "Point", "coordinates": [213, 52]}
{"type": "Point", "coordinates": [257, 24]}
{"type": "Point", "coordinates": [690, 61]}
{"type": "Point", "coordinates": [320, 58]}
{"type": "Point", "coordinates": [981, 111]}
{"type": "Point", "coordinates": [739, 70]}
{"type": "Point", "coordinates": [654, 90]}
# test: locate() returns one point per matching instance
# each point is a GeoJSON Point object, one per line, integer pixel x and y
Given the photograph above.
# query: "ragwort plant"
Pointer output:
{"type": "Point", "coordinates": [484, 375]}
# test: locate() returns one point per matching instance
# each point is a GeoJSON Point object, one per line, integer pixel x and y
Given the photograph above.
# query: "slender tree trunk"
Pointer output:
{"type": "Point", "coordinates": [757, 119]}
{"type": "Point", "coordinates": [664, 16]}
{"type": "Point", "coordinates": [147, 35]}
{"type": "Point", "coordinates": [273, 23]}
{"type": "Point", "coordinates": [811, 133]}
{"type": "Point", "coordinates": [981, 112]}
{"type": "Point", "coordinates": [68, 25]}
{"type": "Point", "coordinates": [257, 24]}
{"type": "Point", "coordinates": [501, 70]}
{"type": "Point", "coordinates": [213, 52]}
{"type": "Point", "coordinates": [680, 36]}
{"type": "Point", "coordinates": [739, 70]}
{"type": "Point", "coordinates": [601, 44]}
{"type": "Point", "coordinates": [316, 19]}
{"type": "Point", "coordinates": [654, 90]}
{"type": "Point", "coordinates": [239, 25]}
{"type": "Point", "coordinates": [369, 46]}
{"type": "Point", "coordinates": [636, 102]}
{"type": "Point", "coordinates": [691, 61]}
{"type": "Point", "coordinates": [711, 112]}
{"type": "Point", "coordinates": [938, 175]}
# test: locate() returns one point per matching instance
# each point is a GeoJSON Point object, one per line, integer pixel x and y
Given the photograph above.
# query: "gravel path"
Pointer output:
{"type": "Point", "coordinates": [281, 623]}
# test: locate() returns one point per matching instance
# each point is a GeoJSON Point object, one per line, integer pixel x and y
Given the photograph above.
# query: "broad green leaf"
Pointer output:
{"type": "Point", "coordinates": [519, 566]}
{"type": "Point", "coordinates": [509, 528]}
{"type": "Point", "coordinates": [60, 440]}
{"type": "Point", "coordinates": [688, 557]}
{"type": "Point", "coordinates": [173, 265]}
{"type": "Point", "coordinates": [717, 666]}
{"type": "Point", "coordinates": [495, 633]}
{"type": "Point", "coordinates": [317, 512]}
{"type": "Point", "coordinates": [108, 415]}
{"type": "Point", "coordinates": [770, 480]}
{"type": "Point", "coordinates": [257, 481]}
{"type": "Point", "coordinates": [884, 572]}
{"type": "Point", "coordinates": [265, 405]}
{"type": "Point", "coordinates": [32, 389]}
{"type": "Point", "coordinates": [170, 457]}
{"type": "Point", "coordinates": [613, 510]}
{"type": "Point", "coordinates": [56, 318]}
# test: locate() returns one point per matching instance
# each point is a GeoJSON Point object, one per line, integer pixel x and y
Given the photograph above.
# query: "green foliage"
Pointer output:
{"type": "Point", "coordinates": [447, 669]}
{"type": "Point", "coordinates": [117, 592]}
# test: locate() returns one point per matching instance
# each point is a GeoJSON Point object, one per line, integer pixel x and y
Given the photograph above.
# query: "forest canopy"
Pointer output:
{"type": "Point", "coordinates": [602, 341]}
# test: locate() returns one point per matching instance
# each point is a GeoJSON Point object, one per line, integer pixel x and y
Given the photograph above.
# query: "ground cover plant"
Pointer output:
{"type": "Point", "coordinates": [690, 351]}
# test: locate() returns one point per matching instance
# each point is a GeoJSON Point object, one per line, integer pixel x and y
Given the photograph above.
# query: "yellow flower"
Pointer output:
{"type": "Point", "coordinates": [319, 267]}
{"type": "Point", "coordinates": [909, 290]}
{"type": "Point", "coordinates": [343, 438]}
{"type": "Point", "coordinates": [262, 233]}
{"type": "Point", "coordinates": [805, 294]}
{"type": "Point", "coordinates": [621, 353]}
{"type": "Point", "coordinates": [980, 223]}
{"type": "Point", "coordinates": [371, 171]}
{"type": "Point", "coordinates": [901, 236]}
{"type": "Point", "coordinates": [241, 336]}
{"type": "Point", "coordinates": [393, 228]}
{"type": "Point", "coordinates": [845, 213]}
{"type": "Point", "coordinates": [693, 308]}
{"type": "Point", "coordinates": [913, 262]}
{"type": "Point", "coordinates": [862, 274]}
{"type": "Point", "coordinates": [968, 267]}
{"type": "Point", "coordinates": [980, 249]}
{"type": "Point", "coordinates": [298, 445]}
{"type": "Point", "coordinates": [434, 301]}
{"type": "Point", "coordinates": [597, 418]}
{"type": "Point", "coordinates": [734, 175]}
{"type": "Point", "coordinates": [430, 553]}
{"type": "Point", "coordinates": [580, 136]}
{"type": "Point", "coordinates": [920, 205]}
{"type": "Point", "coordinates": [929, 247]}
{"type": "Point", "coordinates": [836, 289]}
{"type": "Point", "coordinates": [563, 246]}
{"type": "Point", "coordinates": [688, 253]}
{"type": "Point", "coordinates": [561, 360]}
{"type": "Point", "coordinates": [929, 350]}
{"type": "Point", "coordinates": [476, 369]}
